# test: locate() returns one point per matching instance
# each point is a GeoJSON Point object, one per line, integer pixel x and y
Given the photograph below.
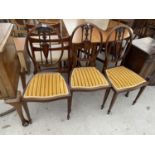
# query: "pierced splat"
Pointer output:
{"type": "Point", "coordinates": [85, 52]}
{"type": "Point", "coordinates": [116, 50]}
{"type": "Point", "coordinates": [45, 47]}
{"type": "Point", "coordinates": [86, 32]}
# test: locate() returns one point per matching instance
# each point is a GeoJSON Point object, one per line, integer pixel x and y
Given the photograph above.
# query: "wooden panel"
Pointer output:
{"type": "Point", "coordinates": [5, 31]}
{"type": "Point", "coordinates": [3, 91]}
{"type": "Point", "coordinates": [141, 58]}
{"type": "Point", "coordinates": [9, 66]}
{"type": "Point", "coordinates": [21, 51]}
{"type": "Point", "coordinates": [135, 59]}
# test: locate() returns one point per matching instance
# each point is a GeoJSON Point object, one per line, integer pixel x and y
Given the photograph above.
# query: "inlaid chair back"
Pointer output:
{"type": "Point", "coordinates": [86, 42]}
{"type": "Point", "coordinates": [85, 50]}
{"type": "Point", "coordinates": [116, 50]}
{"type": "Point", "coordinates": [46, 47]}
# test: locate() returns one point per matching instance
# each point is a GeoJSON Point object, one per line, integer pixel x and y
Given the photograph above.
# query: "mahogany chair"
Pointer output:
{"type": "Point", "coordinates": [47, 84]}
{"type": "Point", "coordinates": [121, 78]}
{"type": "Point", "coordinates": [85, 76]}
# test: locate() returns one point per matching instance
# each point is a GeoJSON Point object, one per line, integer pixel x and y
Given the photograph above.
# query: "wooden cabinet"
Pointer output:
{"type": "Point", "coordinates": [22, 54]}
{"type": "Point", "coordinates": [9, 63]}
{"type": "Point", "coordinates": [141, 58]}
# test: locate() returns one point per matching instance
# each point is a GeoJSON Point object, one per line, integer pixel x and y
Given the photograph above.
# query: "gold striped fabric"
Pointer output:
{"type": "Point", "coordinates": [46, 85]}
{"type": "Point", "coordinates": [87, 77]}
{"type": "Point", "coordinates": [123, 78]}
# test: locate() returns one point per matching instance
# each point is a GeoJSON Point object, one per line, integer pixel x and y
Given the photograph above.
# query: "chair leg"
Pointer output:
{"type": "Point", "coordinates": [127, 94]}
{"type": "Point", "coordinates": [69, 106]}
{"type": "Point", "coordinates": [25, 106]}
{"type": "Point", "coordinates": [16, 102]}
{"type": "Point", "coordinates": [105, 97]}
{"type": "Point", "coordinates": [112, 102]}
{"type": "Point", "coordinates": [18, 107]}
{"type": "Point", "coordinates": [138, 95]}
{"type": "Point", "coordinates": [68, 77]}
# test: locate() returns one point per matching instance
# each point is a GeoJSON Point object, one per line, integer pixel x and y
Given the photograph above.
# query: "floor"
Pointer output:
{"type": "Point", "coordinates": [86, 117]}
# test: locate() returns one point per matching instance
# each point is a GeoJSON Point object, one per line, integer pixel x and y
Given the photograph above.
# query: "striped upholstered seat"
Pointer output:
{"type": "Point", "coordinates": [46, 86]}
{"type": "Point", "coordinates": [87, 78]}
{"type": "Point", "coordinates": [122, 78]}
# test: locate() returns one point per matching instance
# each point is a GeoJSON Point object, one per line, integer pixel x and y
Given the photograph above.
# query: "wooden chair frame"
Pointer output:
{"type": "Point", "coordinates": [85, 45]}
{"type": "Point", "coordinates": [119, 30]}
{"type": "Point", "coordinates": [22, 102]}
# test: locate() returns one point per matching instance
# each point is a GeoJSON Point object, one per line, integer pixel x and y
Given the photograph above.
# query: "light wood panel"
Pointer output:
{"type": "Point", "coordinates": [9, 63]}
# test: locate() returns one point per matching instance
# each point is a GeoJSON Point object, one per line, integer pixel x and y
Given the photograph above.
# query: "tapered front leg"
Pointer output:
{"type": "Point", "coordinates": [69, 105]}
{"type": "Point", "coordinates": [127, 94]}
{"type": "Point", "coordinates": [18, 107]}
{"type": "Point", "coordinates": [112, 102]}
{"type": "Point", "coordinates": [105, 97]}
{"type": "Point", "coordinates": [16, 103]}
{"type": "Point", "coordinates": [138, 95]}
{"type": "Point", "coordinates": [25, 106]}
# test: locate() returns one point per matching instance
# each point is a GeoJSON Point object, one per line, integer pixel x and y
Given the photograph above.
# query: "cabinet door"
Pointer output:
{"type": "Point", "coordinates": [135, 59]}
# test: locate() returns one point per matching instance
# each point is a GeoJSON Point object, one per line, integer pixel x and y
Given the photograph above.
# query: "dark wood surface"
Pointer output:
{"type": "Point", "coordinates": [141, 58]}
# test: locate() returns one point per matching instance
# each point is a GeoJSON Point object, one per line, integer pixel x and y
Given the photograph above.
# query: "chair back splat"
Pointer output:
{"type": "Point", "coordinates": [85, 50]}
{"type": "Point", "coordinates": [117, 49]}
{"type": "Point", "coordinates": [47, 48]}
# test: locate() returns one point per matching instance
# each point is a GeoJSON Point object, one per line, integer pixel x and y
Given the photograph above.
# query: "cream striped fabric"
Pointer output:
{"type": "Point", "coordinates": [46, 85]}
{"type": "Point", "coordinates": [123, 78]}
{"type": "Point", "coordinates": [87, 77]}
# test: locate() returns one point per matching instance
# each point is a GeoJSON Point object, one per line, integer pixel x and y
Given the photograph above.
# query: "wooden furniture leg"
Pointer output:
{"type": "Point", "coordinates": [25, 106]}
{"type": "Point", "coordinates": [69, 107]}
{"type": "Point", "coordinates": [138, 95]}
{"type": "Point", "coordinates": [23, 79]}
{"type": "Point", "coordinates": [17, 104]}
{"type": "Point", "coordinates": [69, 100]}
{"type": "Point", "coordinates": [105, 97]}
{"type": "Point", "coordinates": [112, 102]}
{"type": "Point", "coordinates": [127, 94]}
